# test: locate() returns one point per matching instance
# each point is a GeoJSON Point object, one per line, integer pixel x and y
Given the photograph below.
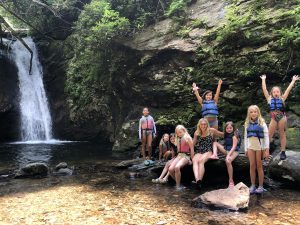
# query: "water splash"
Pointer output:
{"type": "Point", "coordinates": [36, 124]}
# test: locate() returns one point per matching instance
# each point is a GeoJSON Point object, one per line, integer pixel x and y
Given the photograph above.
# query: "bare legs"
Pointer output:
{"type": "Point", "coordinates": [146, 144]}
{"type": "Point", "coordinates": [281, 124]}
{"type": "Point", "coordinates": [229, 161]}
{"type": "Point", "coordinates": [256, 164]}
{"type": "Point", "coordinates": [198, 164]}
{"type": "Point", "coordinates": [174, 170]}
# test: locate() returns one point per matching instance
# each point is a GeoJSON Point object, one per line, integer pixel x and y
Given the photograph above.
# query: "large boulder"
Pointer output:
{"type": "Point", "coordinates": [286, 170]}
{"type": "Point", "coordinates": [36, 170]}
{"type": "Point", "coordinates": [231, 198]}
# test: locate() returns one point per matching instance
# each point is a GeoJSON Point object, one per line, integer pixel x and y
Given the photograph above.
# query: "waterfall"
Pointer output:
{"type": "Point", "coordinates": [36, 124]}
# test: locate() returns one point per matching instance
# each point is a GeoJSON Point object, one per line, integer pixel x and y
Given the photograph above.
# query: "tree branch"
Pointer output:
{"type": "Point", "coordinates": [24, 21]}
{"type": "Point", "coordinates": [2, 20]}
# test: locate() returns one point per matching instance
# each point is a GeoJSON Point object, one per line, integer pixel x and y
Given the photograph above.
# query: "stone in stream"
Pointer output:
{"type": "Point", "coordinates": [36, 170]}
{"type": "Point", "coordinates": [63, 172]}
{"type": "Point", "coordinates": [61, 165]}
{"type": "Point", "coordinates": [231, 198]}
{"type": "Point", "coordinates": [287, 170]}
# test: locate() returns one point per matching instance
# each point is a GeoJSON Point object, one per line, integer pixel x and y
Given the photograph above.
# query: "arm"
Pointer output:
{"type": "Point", "coordinates": [154, 127]}
{"type": "Point", "coordinates": [196, 92]}
{"type": "Point", "coordinates": [216, 98]}
{"type": "Point", "coordinates": [245, 141]}
{"type": "Point", "coordinates": [195, 139]}
{"type": "Point", "coordinates": [191, 145]}
{"type": "Point", "coordinates": [289, 88]}
{"type": "Point", "coordinates": [234, 144]}
{"type": "Point", "coordinates": [160, 151]}
{"type": "Point", "coordinates": [140, 130]}
{"type": "Point", "coordinates": [264, 86]}
{"type": "Point", "coordinates": [266, 142]}
{"type": "Point", "coordinates": [215, 132]}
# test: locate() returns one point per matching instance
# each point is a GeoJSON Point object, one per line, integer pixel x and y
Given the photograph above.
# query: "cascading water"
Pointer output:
{"type": "Point", "coordinates": [36, 124]}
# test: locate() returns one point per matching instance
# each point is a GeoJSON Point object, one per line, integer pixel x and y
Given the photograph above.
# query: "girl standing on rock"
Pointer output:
{"type": "Point", "coordinates": [256, 143]}
{"type": "Point", "coordinates": [204, 147]}
{"type": "Point", "coordinates": [185, 152]}
{"type": "Point", "coordinates": [231, 148]}
{"type": "Point", "coordinates": [209, 108]}
{"type": "Point", "coordinates": [276, 103]}
{"type": "Point", "coordinates": [147, 130]}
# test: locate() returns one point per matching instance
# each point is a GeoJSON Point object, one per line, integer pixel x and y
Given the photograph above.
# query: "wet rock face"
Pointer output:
{"type": "Point", "coordinates": [156, 68]}
{"type": "Point", "coordinates": [9, 95]}
{"type": "Point", "coordinates": [287, 170]}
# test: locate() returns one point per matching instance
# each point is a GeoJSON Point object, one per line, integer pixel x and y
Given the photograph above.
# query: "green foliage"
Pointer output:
{"type": "Point", "coordinates": [184, 31]}
{"type": "Point", "coordinates": [290, 36]}
{"type": "Point", "coordinates": [177, 8]}
{"type": "Point", "coordinates": [235, 25]}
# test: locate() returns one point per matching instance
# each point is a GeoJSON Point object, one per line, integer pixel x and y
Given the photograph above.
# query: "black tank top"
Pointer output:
{"type": "Point", "coordinates": [204, 144]}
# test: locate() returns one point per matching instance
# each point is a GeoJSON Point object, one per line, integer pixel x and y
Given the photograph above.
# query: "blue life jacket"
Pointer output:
{"type": "Point", "coordinates": [209, 108]}
{"type": "Point", "coordinates": [228, 141]}
{"type": "Point", "coordinates": [276, 104]}
{"type": "Point", "coordinates": [254, 130]}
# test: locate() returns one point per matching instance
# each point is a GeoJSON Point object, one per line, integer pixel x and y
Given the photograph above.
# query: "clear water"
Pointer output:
{"type": "Point", "coordinates": [18, 154]}
{"type": "Point", "coordinates": [98, 193]}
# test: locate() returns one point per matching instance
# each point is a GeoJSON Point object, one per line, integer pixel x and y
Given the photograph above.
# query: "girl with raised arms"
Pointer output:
{"type": "Point", "coordinates": [276, 103]}
{"type": "Point", "coordinates": [209, 108]}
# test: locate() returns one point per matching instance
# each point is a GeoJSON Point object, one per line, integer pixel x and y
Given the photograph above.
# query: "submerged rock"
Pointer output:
{"type": "Point", "coordinates": [287, 170]}
{"type": "Point", "coordinates": [63, 172]}
{"type": "Point", "coordinates": [36, 170]}
{"type": "Point", "coordinates": [61, 165]}
{"type": "Point", "coordinates": [231, 198]}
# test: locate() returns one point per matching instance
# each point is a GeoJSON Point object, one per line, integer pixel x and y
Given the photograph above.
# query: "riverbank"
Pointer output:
{"type": "Point", "coordinates": [98, 193]}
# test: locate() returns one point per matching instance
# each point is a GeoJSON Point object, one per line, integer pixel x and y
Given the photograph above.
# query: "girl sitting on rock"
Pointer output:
{"type": "Point", "coordinates": [231, 148]}
{"type": "Point", "coordinates": [209, 108]}
{"type": "Point", "coordinates": [256, 144]}
{"type": "Point", "coordinates": [276, 103]}
{"type": "Point", "coordinates": [204, 147]}
{"type": "Point", "coordinates": [147, 130]}
{"type": "Point", "coordinates": [185, 153]}
{"type": "Point", "coordinates": [165, 148]}
{"type": "Point", "coordinates": [163, 178]}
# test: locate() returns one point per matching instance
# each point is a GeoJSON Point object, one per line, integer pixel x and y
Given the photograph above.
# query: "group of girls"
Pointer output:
{"type": "Point", "coordinates": [203, 146]}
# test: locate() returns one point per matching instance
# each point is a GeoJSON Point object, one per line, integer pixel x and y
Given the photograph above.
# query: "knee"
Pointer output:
{"type": "Point", "coordinates": [252, 166]}
{"type": "Point", "coordinates": [194, 160]}
{"type": "Point", "coordinates": [228, 162]}
{"type": "Point", "coordinates": [171, 169]}
{"type": "Point", "coordinates": [177, 169]}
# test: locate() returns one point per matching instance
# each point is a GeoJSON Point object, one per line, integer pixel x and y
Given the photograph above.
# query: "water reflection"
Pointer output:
{"type": "Point", "coordinates": [18, 154]}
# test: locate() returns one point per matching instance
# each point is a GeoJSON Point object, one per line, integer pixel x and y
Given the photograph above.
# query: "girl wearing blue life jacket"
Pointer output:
{"type": "Point", "coordinates": [209, 108]}
{"type": "Point", "coordinates": [276, 103]}
{"type": "Point", "coordinates": [231, 148]}
{"type": "Point", "coordinates": [256, 146]}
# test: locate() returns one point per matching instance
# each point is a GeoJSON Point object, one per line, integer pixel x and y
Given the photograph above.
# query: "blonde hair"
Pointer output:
{"type": "Point", "coordinates": [186, 133]}
{"type": "Point", "coordinates": [199, 131]}
{"type": "Point", "coordinates": [260, 119]}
